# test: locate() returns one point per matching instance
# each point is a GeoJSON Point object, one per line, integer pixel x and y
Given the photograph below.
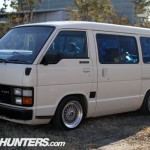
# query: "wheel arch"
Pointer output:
{"type": "Point", "coordinates": [82, 97]}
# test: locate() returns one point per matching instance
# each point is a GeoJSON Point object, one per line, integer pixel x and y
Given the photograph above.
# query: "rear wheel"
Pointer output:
{"type": "Point", "coordinates": [145, 108]}
{"type": "Point", "coordinates": [69, 113]}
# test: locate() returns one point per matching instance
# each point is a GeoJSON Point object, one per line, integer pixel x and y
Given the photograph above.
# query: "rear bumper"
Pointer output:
{"type": "Point", "coordinates": [16, 113]}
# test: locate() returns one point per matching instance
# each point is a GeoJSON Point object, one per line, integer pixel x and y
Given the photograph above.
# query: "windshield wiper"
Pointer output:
{"type": "Point", "coordinates": [18, 61]}
{"type": "Point", "coordinates": [3, 60]}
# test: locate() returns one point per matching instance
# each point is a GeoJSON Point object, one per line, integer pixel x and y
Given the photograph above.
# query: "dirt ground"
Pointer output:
{"type": "Point", "coordinates": [129, 131]}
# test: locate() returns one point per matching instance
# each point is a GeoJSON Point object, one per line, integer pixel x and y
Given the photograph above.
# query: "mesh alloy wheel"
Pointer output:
{"type": "Point", "coordinates": [72, 114]}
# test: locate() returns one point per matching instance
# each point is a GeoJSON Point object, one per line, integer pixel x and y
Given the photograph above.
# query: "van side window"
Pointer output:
{"type": "Point", "coordinates": [116, 49]}
{"type": "Point", "coordinates": [68, 45]}
{"type": "Point", "coordinates": [145, 44]}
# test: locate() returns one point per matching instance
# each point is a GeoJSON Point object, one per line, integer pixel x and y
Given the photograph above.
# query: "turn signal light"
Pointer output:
{"type": "Point", "coordinates": [27, 101]}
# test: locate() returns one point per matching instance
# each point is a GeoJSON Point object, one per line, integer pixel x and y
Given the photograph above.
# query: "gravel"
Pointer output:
{"type": "Point", "coordinates": [115, 132]}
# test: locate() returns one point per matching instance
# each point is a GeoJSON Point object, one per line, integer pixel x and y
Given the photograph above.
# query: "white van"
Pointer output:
{"type": "Point", "coordinates": [66, 71]}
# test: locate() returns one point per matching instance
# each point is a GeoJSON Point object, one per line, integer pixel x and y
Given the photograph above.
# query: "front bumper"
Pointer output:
{"type": "Point", "coordinates": [16, 113]}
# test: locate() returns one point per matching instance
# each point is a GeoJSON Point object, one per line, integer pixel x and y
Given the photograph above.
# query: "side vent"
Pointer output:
{"type": "Point", "coordinates": [28, 71]}
{"type": "Point", "coordinates": [92, 94]}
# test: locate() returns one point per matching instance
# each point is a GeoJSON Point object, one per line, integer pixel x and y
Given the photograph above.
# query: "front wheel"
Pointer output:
{"type": "Point", "coordinates": [69, 113]}
{"type": "Point", "coordinates": [145, 108]}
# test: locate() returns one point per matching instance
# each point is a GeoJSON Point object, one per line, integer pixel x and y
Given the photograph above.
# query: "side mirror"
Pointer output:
{"type": "Point", "coordinates": [51, 59]}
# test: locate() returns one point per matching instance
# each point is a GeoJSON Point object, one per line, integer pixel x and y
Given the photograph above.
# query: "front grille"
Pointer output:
{"type": "Point", "coordinates": [5, 94]}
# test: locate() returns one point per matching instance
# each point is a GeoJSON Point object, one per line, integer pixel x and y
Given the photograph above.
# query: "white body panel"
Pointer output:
{"type": "Point", "coordinates": [65, 78]}
{"type": "Point", "coordinates": [9, 76]}
{"type": "Point", "coordinates": [118, 94]}
{"type": "Point", "coordinates": [119, 87]}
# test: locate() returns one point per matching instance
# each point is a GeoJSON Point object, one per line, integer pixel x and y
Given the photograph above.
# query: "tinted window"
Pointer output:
{"type": "Point", "coordinates": [114, 49]}
{"type": "Point", "coordinates": [145, 44]}
{"type": "Point", "coordinates": [69, 44]}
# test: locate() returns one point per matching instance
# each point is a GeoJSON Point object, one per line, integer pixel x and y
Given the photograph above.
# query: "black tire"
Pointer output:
{"type": "Point", "coordinates": [145, 108]}
{"type": "Point", "coordinates": [69, 106]}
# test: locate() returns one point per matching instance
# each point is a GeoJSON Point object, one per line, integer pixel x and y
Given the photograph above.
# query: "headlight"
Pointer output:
{"type": "Point", "coordinates": [23, 96]}
{"type": "Point", "coordinates": [27, 93]}
{"type": "Point", "coordinates": [18, 100]}
{"type": "Point", "coordinates": [17, 91]}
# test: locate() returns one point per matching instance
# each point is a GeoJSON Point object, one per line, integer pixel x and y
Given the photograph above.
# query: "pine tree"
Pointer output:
{"type": "Point", "coordinates": [26, 7]}
{"type": "Point", "coordinates": [142, 7]}
{"type": "Point", "coordinates": [91, 10]}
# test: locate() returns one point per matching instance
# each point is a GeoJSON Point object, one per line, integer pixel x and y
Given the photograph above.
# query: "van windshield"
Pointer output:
{"type": "Point", "coordinates": [23, 44]}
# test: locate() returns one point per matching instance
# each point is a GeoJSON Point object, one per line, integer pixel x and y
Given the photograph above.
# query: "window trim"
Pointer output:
{"type": "Point", "coordinates": [71, 30]}
{"type": "Point", "coordinates": [121, 35]}
{"type": "Point", "coordinates": [141, 48]}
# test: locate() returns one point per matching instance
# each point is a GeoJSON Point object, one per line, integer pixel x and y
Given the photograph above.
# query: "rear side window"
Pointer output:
{"type": "Point", "coordinates": [116, 49]}
{"type": "Point", "coordinates": [145, 44]}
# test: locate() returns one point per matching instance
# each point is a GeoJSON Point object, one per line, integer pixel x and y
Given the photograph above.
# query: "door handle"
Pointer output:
{"type": "Point", "coordinates": [86, 70]}
{"type": "Point", "coordinates": [104, 72]}
{"type": "Point", "coordinates": [84, 62]}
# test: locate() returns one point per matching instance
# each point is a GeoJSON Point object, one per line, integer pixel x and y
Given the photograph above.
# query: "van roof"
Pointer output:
{"type": "Point", "coordinates": [93, 26]}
